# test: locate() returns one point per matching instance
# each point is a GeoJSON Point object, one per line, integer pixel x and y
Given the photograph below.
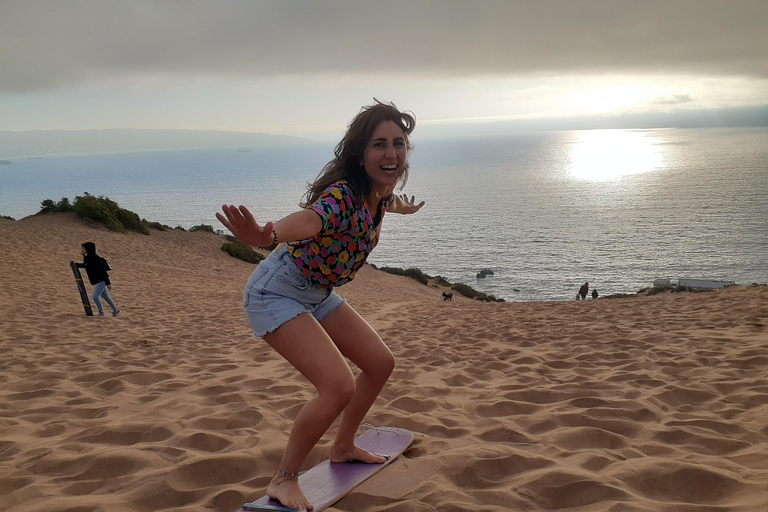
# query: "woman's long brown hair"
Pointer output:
{"type": "Point", "coordinates": [347, 164]}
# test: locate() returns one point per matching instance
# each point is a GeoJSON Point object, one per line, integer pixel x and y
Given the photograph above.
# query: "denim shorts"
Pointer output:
{"type": "Point", "coordinates": [278, 291]}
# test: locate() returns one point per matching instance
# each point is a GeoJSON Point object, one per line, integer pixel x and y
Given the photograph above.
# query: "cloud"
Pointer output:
{"type": "Point", "coordinates": [675, 99]}
{"type": "Point", "coordinates": [49, 45]}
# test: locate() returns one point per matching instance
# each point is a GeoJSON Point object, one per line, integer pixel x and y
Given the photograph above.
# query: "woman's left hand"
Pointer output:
{"type": "Point", "coordinates": [406, 206]}
{"type": "Point", "coordinates": [241, 223]}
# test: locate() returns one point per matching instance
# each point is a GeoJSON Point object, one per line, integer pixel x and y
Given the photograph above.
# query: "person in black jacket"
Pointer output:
{"type": "Point", "coordinates": [583, 291]}
{"type": "Point", "coordinates": [95, 267]}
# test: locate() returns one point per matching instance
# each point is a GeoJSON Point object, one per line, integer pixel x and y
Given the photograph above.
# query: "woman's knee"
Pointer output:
{"type": "Point", "coordinates": [338, 392]}
{"type": "Point", "coordinates": [381, 367]}
{"type": "Point", "coordinates": [387, 364]}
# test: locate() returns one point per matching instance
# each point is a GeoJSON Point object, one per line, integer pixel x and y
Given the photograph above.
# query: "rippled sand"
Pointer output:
{"type": "Point", "coordinates": [641, 404]}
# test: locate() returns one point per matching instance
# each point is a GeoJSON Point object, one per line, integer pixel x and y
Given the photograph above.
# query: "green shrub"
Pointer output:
{"type": "Point", "coordinates": [393, 270]}
{"type": "Point", "coordinates": [415, 273]}
{"type": "Point", "coordinates": [49, 206]}
{"type": "Point", "coordinates": [470, 292]}
{"type": "Point", "coordinates": [107, 212]}
{"type": "Point", "coordinates": [64, 205]}
{"type": "Point", "coordinates": [465, 290]}
{"type": "Point", "coordinates": [100, 209]}
{"type": "Point", "coordinates": [131, 221]}
{"type": "Point", "coordinates": [202, 227]}
{"type": "Point", "coordinates": [441, 281]}
{"type": "Point", "coordinates": [619, 296]}
{"type": "Point", "coordinates": [241, 251]}
{"type": "Point", "coordinates": [155, 225]}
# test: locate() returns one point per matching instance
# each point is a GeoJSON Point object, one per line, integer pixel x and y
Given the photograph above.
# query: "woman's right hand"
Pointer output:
{"type": "Point", "coordinates": [242, 224]}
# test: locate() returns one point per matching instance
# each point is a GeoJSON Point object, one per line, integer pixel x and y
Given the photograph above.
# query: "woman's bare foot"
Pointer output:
{"type": "Point", "coordinates": [339, 454]}
{"type": "Point", "coordinates": [286, 490]}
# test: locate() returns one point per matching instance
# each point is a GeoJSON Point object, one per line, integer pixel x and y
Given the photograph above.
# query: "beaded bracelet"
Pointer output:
{"type": "Point", "coordinates": [274, 242]}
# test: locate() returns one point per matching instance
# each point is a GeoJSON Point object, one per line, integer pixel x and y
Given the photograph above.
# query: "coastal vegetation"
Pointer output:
{"type": "Point", "coordinates": [105, 211]}
{"type": "Point", "coordinates": [413, 273]}
{"type": "Point", "coordinates": [99, 209]}
{"type": "Point", "coordinates": [242, 251]}
{"type": "Point", "coordinates": [420, 276]}
{"type": "Point", "coordinates": [202, 227]}
{"type": "Point", "coordinates": [158, 226]}
{"type": "Point", "coordinates": [670, 289]}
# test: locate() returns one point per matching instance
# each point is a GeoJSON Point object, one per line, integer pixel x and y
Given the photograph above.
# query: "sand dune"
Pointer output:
{"type": "Point", "coordinates": [644, 404]}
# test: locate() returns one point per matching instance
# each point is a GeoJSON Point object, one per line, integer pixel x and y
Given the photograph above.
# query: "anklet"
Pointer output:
{"type": "Point", "coordinates": [285, 473]}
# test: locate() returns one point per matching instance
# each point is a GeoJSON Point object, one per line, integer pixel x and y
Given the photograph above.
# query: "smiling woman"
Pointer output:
{"type": "Point", "coordinates": [602, 155]}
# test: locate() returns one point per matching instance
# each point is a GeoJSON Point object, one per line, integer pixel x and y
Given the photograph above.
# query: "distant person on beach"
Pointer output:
{"type": "Point", "coordinates": [594, 294]}
{"type": "Point", "coordinates": [289, 299]}
{"type": "Point", "coordinates": [96, 268]}
{"type": "Point", "coordinates": [583, 291]}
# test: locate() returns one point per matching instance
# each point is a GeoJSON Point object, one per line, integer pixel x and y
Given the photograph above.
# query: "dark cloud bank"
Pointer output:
{"type": "Point", "coordinates": [50, 44]}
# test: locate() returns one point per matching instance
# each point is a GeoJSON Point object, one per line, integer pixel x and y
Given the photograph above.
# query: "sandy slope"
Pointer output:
{"type": "Point", "coordinates": [643, 404]}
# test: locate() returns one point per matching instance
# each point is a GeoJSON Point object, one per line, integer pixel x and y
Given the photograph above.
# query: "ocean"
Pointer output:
{"type": "Point", "coordinates": [545, 211]}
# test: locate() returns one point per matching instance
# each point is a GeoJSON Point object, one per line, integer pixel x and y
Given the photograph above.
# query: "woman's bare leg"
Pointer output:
{"type": "Point", "coordinates": [358, 341]}
{"type": "Point", "coordinates": [306, 345]}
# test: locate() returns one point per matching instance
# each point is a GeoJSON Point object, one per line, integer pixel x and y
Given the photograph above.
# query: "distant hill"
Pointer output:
{"type": "Point", "coordinates": [755, 116]}
{"type": "Point", "coordinates": [36, 143]}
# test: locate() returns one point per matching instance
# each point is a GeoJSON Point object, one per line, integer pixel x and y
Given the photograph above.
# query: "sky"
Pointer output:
{"type": "Point", "coordinates": [305, 68]}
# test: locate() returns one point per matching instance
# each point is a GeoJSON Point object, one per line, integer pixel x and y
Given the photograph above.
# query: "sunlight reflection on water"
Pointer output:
{"type": "Point", "coordinates": [604, 155]}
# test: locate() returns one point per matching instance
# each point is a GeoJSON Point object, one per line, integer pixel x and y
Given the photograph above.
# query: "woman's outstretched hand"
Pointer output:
{"type": "Point", "coordinates": [242, 224]}
{"type": "Point", "coordinates": [405, 206]}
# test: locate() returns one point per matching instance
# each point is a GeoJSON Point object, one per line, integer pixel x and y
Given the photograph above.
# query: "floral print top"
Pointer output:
{"type": "Point", "coordinates": [333, 256]}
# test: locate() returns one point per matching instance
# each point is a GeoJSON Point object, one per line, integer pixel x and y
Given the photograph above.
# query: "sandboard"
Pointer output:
{"type": "Point", "coordinates": [81, 289]}
{"type": "Point", "coordinates": [327, 483]}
